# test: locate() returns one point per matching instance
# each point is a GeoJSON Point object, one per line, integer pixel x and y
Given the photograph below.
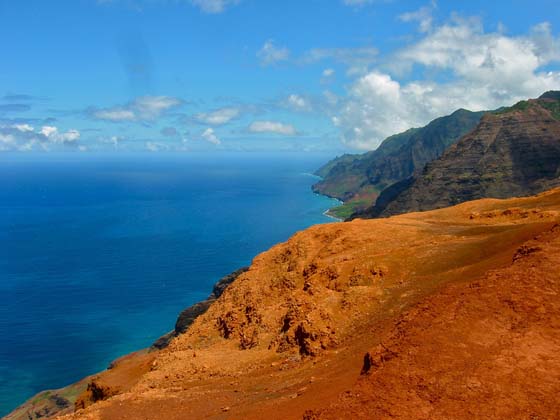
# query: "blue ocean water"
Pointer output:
{"type": "Point", "coordinates": [99, 253]}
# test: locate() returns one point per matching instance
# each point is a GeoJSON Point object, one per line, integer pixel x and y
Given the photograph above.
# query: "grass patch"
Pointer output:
{"type": "Point", "coordinates": [519, 106]}
{"type": "Point", "coordinates": [349, 208]}
{"type": "Point", "coordinates": [553, 107]}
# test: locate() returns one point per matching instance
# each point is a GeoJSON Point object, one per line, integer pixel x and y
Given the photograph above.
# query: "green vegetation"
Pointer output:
{"type": "Point", "coordinates": [519, 106]}
{"type": "Point", "coordinates": [348, 209]}
{"type": "Point", "coordinates": [353, 177]}
{"type": "Point", "coordinates": [344, 160]}
{"type": "Point", "coordinates": [553, 107]}
{"type": "Point", "coordinates": [549, 101]}
{"type": "Point", "coordinates": [41, 397]}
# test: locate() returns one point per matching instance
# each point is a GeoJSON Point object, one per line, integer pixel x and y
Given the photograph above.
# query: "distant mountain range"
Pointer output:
{"type": "Point", "coordinates": [513, 151]}
{"type": "Point", "coordinates": [358, 179]}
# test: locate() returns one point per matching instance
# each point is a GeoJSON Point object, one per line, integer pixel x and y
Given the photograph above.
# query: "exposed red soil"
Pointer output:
{"type": "Point", "coordinates": [457, 308]}
{"type": "Point", "coordinates": [489, 349]}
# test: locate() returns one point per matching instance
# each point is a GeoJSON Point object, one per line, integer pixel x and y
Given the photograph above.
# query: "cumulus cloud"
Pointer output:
{"type": "Point", "coordinates": [271, 54]}
{"type": "Point", "coordinates": [145, 108]}
{"type": "Point", "coordinates": [272, 127]}
{"type": "Point", "coordinates": [483, 71]}
{"type": "Point", "coordinates": [210, 136]}
{"type": "Point", "coordinates": [52, 134]}
{"type": "Point", "coordinates": [298, 103]}
{"type": "Point", "coordinates": [24, 137]}
{"type": "Point", "coordinates": [219, 116]}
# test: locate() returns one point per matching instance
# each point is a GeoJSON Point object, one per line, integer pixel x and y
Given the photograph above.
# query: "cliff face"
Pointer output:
{"type": "Point", "coordinates": [352, 177]}
{"type": "Point", "coordinates": [514, 152]}
{"type": "Point", "coordinates": [289, 335]}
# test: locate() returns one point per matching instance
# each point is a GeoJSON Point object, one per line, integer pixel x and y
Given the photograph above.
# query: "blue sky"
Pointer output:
{"type": "Point", "coordinates": [258, 75]}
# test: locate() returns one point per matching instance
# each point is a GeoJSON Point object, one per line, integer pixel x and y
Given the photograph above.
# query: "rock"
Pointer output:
{"type": "Point", "coordinates": [163, 341]}
{"type": "Point", "coordinates": [188, 315]}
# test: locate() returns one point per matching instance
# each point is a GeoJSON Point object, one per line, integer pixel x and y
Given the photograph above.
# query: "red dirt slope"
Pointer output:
{"type": "Point", "coordinates": [458, 309]}
{"type": "Point", "coordinates": [489, 349]}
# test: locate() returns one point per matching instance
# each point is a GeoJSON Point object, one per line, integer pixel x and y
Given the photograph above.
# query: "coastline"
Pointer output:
{"type": "Point", "coordinates": [82, 393]}
{"type": "Point", "coordinates": [339, 202]}
{"type": "Point", "coordinates": [328, 211]}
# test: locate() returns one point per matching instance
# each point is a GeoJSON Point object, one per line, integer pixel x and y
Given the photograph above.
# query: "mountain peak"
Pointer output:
{"type": "Point", "coordinates": [551, 94]}
{"type": "Point", "coordinates": [514, 154]}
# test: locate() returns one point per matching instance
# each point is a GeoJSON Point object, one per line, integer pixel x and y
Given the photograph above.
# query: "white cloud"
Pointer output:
{"type": "Point", "coordinates": [53, 135]}
{"type": "Point", "coordinates": [210, 136]}
{"type": "Point", "coordinates": [115, 141]}
{"type": "Point", "coordinates": [115, 114]}
{"type": "Point", "coordinates": [48, 131]}
{"type": "Point", "coordinates": [423, 16]}
{"type": "Point", "coordinates": [218, 117]}
{"type": "Point", "coordinates": [145, 108]}
{"type": "Point", "coordinates": [328, 72]}
{"type": "Point", "coordinates": [298, 103]}
{"type": "Point", "coordinates": [151, 107]}
{"type": "Point", "coordinates": [272, 127]}
{"type": "Point", "coordinates": [482, 71]}
{"type": "Point", "coordinates": [7, 138]}
{"type": "Point", "coordinates": [23, 137]}
{"type": "Point", "coordinates": [214, 6]}
{"type": "Point", "coordinates": [330, 98]}
{"type": "Point", "coordinates": [156, 147]}
{"type": "Point", "coordinates": [270, 54]}
{"type": "Point", "coordinates": [24, 128]}
{"type": "Point", "coordinates": [349, 56]}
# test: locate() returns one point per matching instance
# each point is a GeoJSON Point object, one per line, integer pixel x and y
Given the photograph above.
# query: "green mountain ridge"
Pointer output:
{"type": "Point", "coordinates": [514, 151]}
{"type": "Point", "coordinates": [358, 179]}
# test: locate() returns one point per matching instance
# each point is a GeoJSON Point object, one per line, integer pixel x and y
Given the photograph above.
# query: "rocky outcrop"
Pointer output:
{"type": "Point", "coordinates": [188, 315]}
{"type": "Point", "coordinates": [512, 152]}
{"type": "Point", "coordinates": [120, 377]}
{"type": "Point", "coordinates": [48, 404]}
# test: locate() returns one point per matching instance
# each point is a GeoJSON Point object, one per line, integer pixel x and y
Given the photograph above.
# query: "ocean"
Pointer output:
{"type": "Point", "coordinates": [100, 252]}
